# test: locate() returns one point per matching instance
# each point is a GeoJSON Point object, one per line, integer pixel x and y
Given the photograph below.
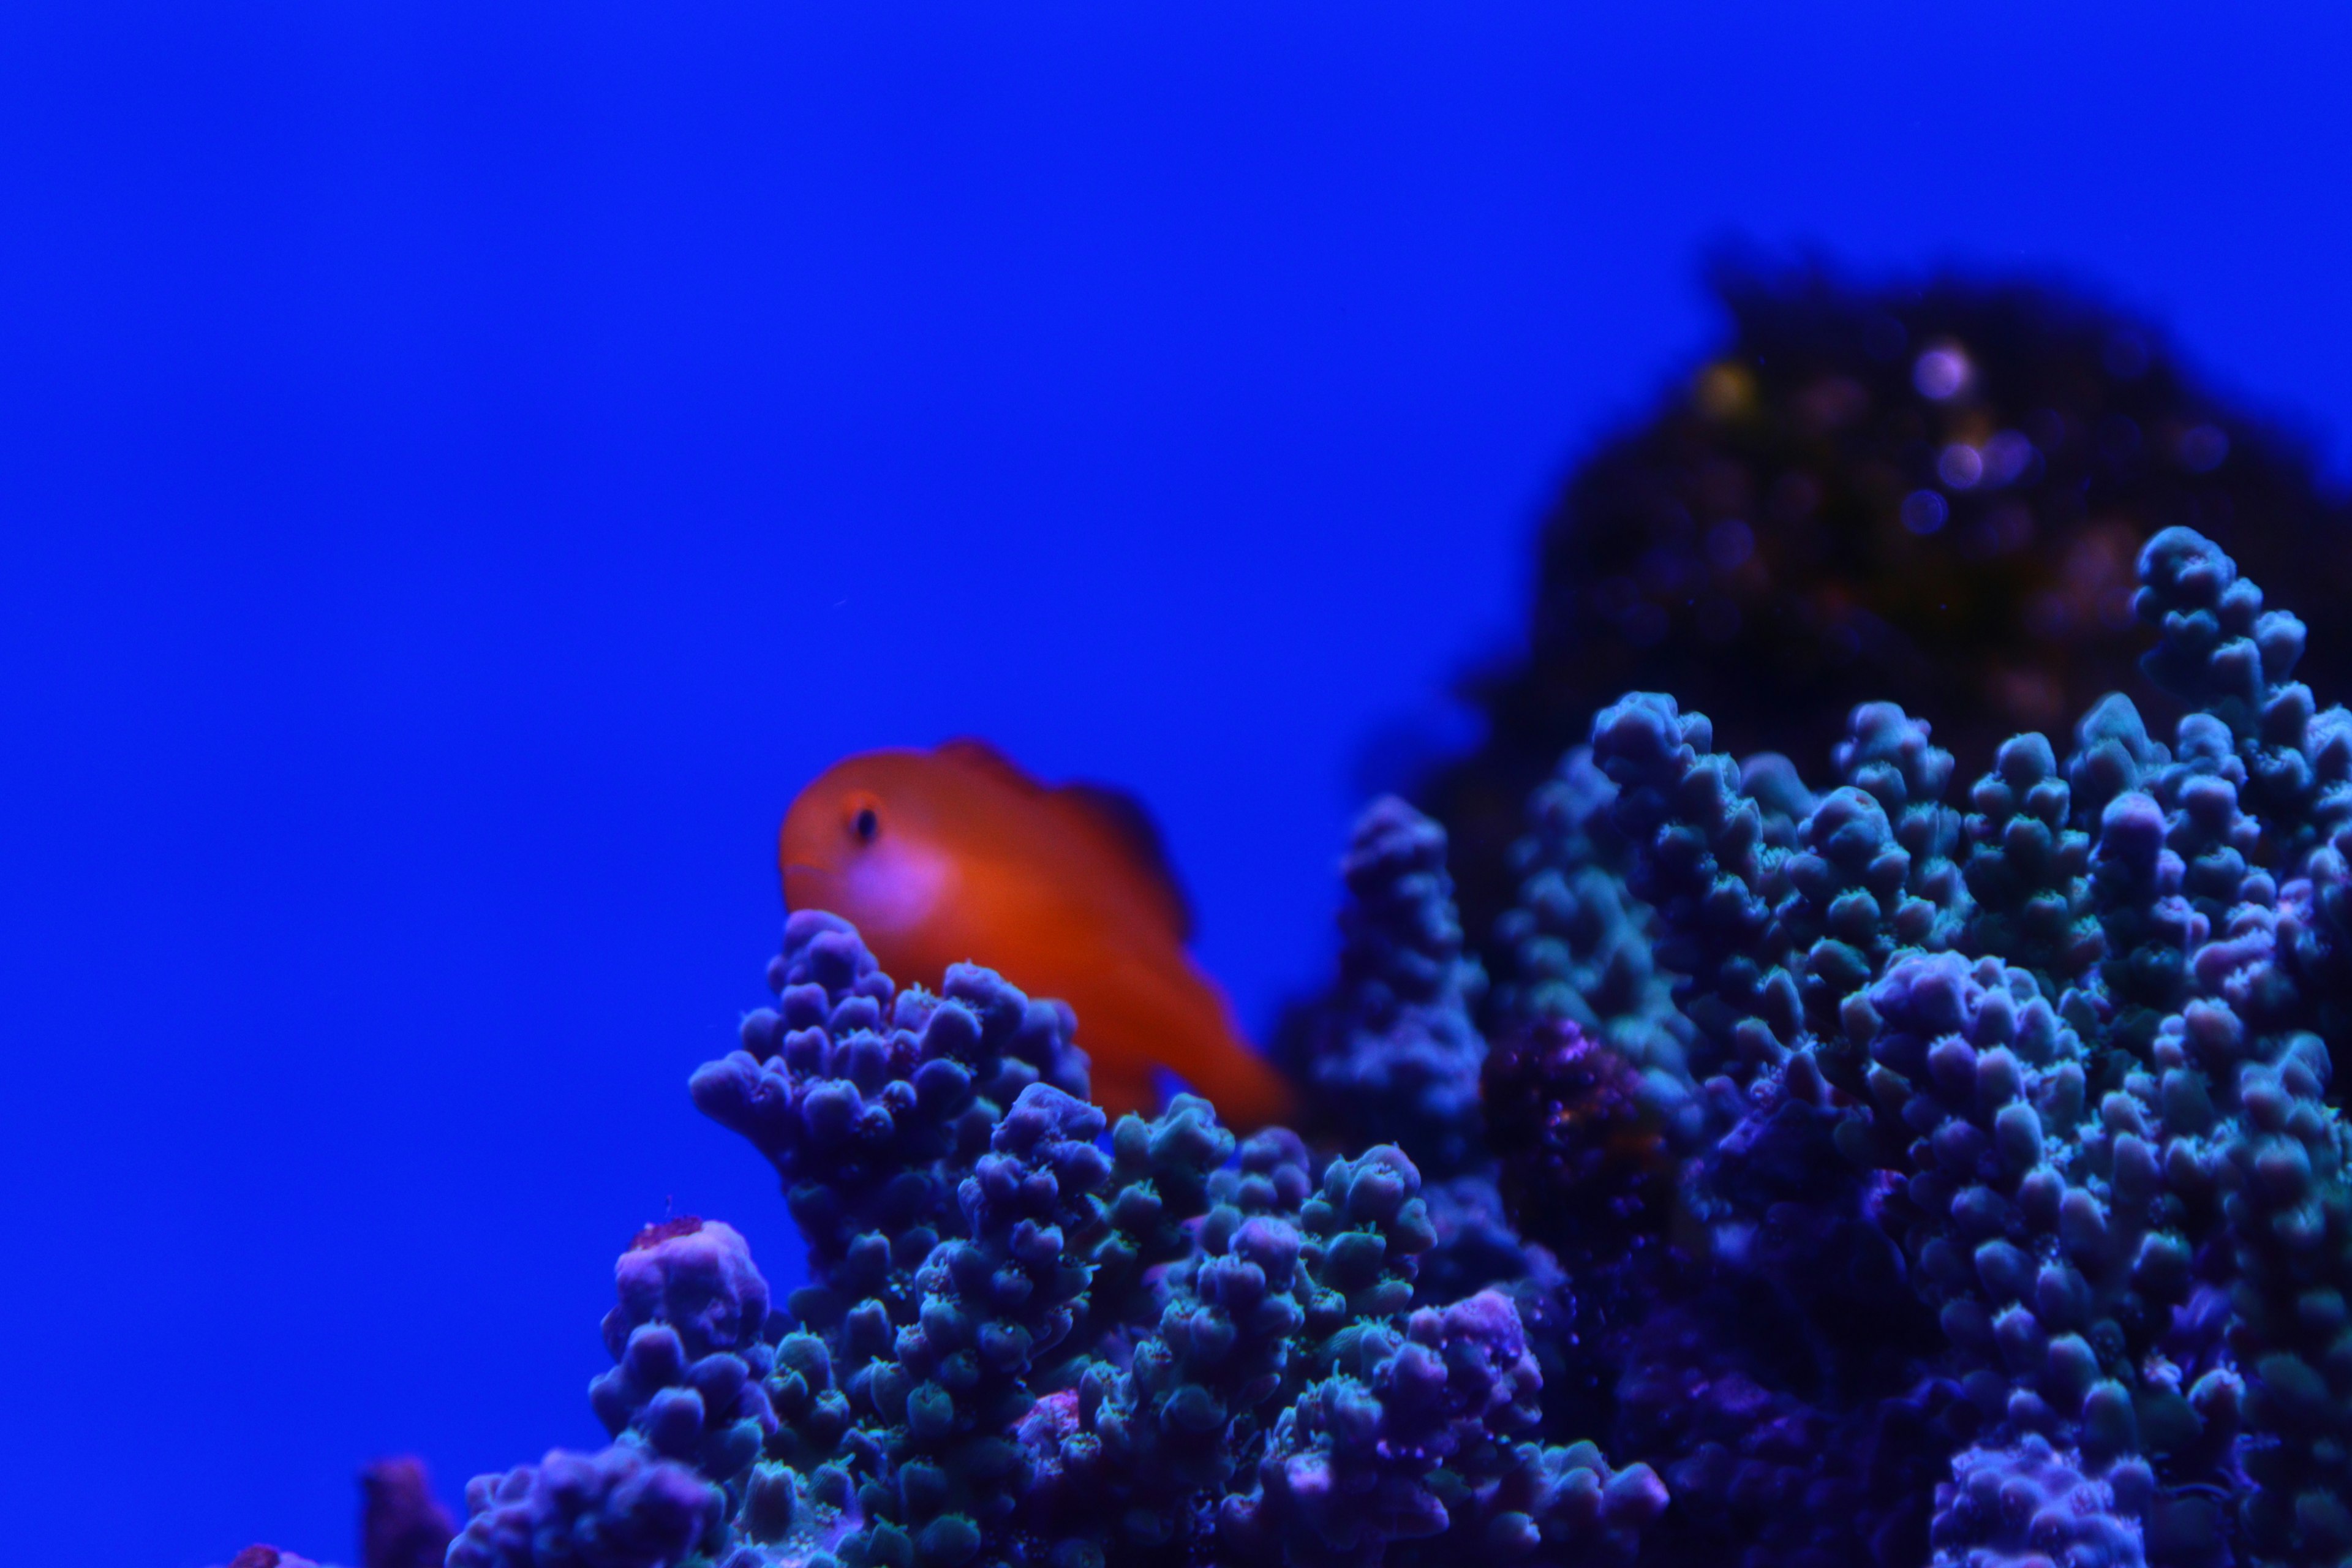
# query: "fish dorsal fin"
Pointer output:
{"type": "Point", "coordinates": [1125, 820]}
{"type": "Point", "coordinates": [1115, 817]}
{"type": "Point", "coordinates": [977, 754]}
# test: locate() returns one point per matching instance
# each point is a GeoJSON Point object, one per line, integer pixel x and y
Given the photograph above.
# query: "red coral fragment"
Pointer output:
{"type": "Point", "coordinates": [1584, 1163]}
{"type": "Point", "coordinates": [653, 1235]}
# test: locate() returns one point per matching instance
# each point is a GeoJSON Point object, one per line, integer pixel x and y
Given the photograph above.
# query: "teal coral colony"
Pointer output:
{"type": "Point", "coordinates": [1872, 1177]}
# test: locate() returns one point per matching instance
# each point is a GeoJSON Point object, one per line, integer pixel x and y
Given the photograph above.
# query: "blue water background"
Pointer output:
{"type": "Point", "coordinates": [463, 465]}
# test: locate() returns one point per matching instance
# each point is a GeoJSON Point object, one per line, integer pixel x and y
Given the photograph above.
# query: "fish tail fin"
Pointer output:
{"type": "Point", "coordinates": [1120, 1094]}
{"type": "Point", "coordinates": [1249, 1091]}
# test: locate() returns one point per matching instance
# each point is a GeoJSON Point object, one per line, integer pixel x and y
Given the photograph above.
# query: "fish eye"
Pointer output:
{"type": "Point", "coordinates": [866, 825]}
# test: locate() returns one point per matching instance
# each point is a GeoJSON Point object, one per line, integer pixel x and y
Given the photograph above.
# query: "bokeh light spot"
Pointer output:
{"type": "Point", "coordinates": [1925, 512]}
{"type": "Point", "coordinates": [1724, 391]}
{"type": "Point", "coordinates": [2006, 456]}
{"type": "Point", "coordinates": [1960, 465]}
{"type": "Point", "coordinates": [1942, 373]}
{"type": "Point", "coordinates": [1729, 544]}
{"type": "Point", "coordinates": [2202, 448]}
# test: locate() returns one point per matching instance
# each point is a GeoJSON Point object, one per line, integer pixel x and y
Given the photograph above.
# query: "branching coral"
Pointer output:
{"type": "Point", "coordinates": [1032, 1338]}
{"type": "Point", "coordinates": [1858, 1177]}
{"type": "Point", "coordinates": [1394, 1048]}
{"type": "Point", "coordinates": [1926, 489]}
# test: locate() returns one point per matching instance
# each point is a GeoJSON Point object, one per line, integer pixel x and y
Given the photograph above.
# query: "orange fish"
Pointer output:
{"type": "Point", "coordinates": [955, 854]}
